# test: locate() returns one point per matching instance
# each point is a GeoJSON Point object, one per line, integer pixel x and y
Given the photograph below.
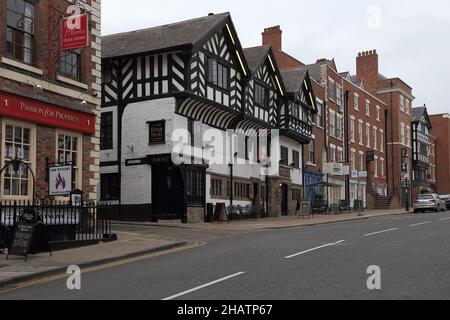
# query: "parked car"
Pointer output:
{"type": "Point", "coordinates": [446, 199]}
{"type": "Point", "coordinates": [427, 202]}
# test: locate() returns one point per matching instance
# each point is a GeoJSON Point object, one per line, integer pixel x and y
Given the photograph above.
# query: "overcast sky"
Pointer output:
{"type": "Point", "coordinates": [411, 36]}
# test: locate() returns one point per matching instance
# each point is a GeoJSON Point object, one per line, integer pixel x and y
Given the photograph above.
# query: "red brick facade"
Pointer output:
{"type": "Point", "coordinates": [17, 77]}
{"type": "Point", "coordinates": [441, 130]}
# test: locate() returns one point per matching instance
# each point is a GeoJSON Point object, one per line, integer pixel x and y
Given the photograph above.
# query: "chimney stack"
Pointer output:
{"type": "Point", "coordinates": [273, 36]}
{"type": "Point", "coordinates": [367, 69]}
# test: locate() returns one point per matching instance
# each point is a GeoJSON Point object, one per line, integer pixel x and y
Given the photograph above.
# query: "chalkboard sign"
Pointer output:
{"type": "Point", "coordinates": [22, 239]}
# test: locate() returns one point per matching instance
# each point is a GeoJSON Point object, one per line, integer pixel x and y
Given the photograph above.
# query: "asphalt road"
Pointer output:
{"type": "Point", "coordinates": [320, 262]}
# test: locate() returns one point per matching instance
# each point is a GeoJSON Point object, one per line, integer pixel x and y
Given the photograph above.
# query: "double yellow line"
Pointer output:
{"type": "Point", "coordinates": [34, 282]}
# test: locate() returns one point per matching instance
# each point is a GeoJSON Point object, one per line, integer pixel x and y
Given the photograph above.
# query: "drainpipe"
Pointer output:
{"type": "Point", "coordinates": [346, 146]}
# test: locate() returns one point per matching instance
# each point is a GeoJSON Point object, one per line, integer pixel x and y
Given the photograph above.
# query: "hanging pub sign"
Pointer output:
{"type": "Point", "coordinates": [157, 132]}
{"type": "Point", "coordinates": [370, 156]}
{"type": "Point", "coordinates": [74, 32]}
{"type": "Point", "coordinates": [60, 181]}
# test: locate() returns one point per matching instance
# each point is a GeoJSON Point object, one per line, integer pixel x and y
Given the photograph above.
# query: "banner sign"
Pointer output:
{"type": "Point", "coordinates": [60, 181]}
{"type": "Point", "coordinates": [74, 32]}
{"type": "Point", "coordinates": [51, 115]}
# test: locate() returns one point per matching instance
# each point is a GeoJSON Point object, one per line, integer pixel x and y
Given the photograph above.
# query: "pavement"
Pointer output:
{"type": "Point", "coordinates": [128, 245]}
{"type": "Point", "coordinates": [138, 239]}
{"type": "Point", "coordinates": [328, 261]}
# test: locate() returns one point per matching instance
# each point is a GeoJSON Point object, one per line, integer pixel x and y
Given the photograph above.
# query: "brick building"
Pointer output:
{"type": "Point", "coordinates": [441, 131]}
{"type": "Point", "coordinates": [49, 98]}
{"type": "Point", "coordinates": [349, 129]}
{"type": "Point", "coordinates": [422, 145]}
{"type": "Point", "coordinates": [398, 97]}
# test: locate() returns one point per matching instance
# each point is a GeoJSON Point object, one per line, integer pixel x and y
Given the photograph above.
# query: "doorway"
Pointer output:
{"type": "Point", "coordinates": [167, 192]}
{"type": "Point", "coordinates": [284, 199]}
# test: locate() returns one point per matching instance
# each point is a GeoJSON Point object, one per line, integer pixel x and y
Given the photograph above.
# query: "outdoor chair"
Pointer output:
{"type": "Point", "coordinates": [249, 211]}
{"type": "Point", "coordinates": [234, 213]}
{"type": "Point", "coordinates": [345, 207]}
{"type": "Point", "coordinates": [319, 206]}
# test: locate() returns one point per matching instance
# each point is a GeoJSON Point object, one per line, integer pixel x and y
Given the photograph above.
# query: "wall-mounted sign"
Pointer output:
{"type": "Point", "coordinates": [74, 32]}
{"type": "Point", "coordinates": [51, 115]}
{"type": "Point", "coordinates": [160, 159]}
{"type": "Point", "coordinates": [355, 174]}
{"type": "Point", "coordinates": [370, 156]}
{"type": "Point", "coordinates": [337, 169]}
{"type": "Point", "coordinates": [157, 132]}
{"type": "Point", "coordinates": [136, 162]}
{"type": "Point", "coordinates": [362, 174]}
{"type": "Point", "coordinates": [60, 181]}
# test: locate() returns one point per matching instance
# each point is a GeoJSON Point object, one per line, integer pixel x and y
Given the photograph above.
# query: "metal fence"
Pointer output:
{"type": "Point", "coordinates": [63, 222]}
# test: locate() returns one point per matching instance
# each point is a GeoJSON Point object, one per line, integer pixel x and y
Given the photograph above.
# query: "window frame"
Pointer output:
{"type": "Point", "coordinates": [115, 197]}
{"type": "Point", "coordinates": [219, 63]}
{"type": "Point", "coordinates": [79, 54]}
{"type": "Point", "coordinates": [266, 90]}
{"type": "Point", "coordinates": [102, 131]}
{"type": "Point", "coordinates": [79, 167]}
{"type": "Point", "coordinates": [32, 162]}
{"type": "Point", "coordinates": [23, 32]}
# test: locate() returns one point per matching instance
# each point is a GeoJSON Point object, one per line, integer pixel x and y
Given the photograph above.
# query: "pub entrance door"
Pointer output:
{"type": "Point", "coordinates": [284, 189]}
{"type": "Point", "coordinates": [167, 192]}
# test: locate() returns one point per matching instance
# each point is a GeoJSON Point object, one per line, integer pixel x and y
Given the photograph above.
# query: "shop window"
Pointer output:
{"type": "Point", "coordinates": [69, 153]}
{"type": "Point", "coordinates": [17, 145]}
{"type": "Point", "coordinates": [195, 187]}
{"type": "Point", "coordinates": [216, 187]}
{"type": "Point", "coordinates": [110, 187]}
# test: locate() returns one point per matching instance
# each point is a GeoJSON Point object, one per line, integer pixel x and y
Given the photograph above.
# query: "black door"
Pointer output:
{"type": "Point", "coordinates": [167, 192]}
{"type": "Point", "coordinates": [284, 200]}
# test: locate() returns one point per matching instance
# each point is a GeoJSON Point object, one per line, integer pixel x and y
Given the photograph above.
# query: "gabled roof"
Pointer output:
{"type": "Point", "coordinates": [354, 80]}
{"type": "Point", "coordinates": [293, 79]}
{"type": "Point", "coordinates": [419, 113]}
{"type": "Point", "coordinates": [256, 56]}
{"type": "Point", "coordinates": [175, 35]}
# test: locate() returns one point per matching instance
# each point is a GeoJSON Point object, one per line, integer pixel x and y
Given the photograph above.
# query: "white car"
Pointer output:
{"type": "Point", "coordinates": [427, 202]}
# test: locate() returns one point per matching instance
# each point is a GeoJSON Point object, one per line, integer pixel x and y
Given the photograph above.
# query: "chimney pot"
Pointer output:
{"type": "Point", "coordinates": [210, 14]}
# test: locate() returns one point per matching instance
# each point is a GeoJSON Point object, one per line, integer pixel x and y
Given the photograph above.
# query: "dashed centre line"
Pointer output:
{"type": "Point", "coordinates": [420, 224]}
{"type": "Point", "coordinates": [314, 249]}
{"type": "Point", "coordinates": [380, 232]}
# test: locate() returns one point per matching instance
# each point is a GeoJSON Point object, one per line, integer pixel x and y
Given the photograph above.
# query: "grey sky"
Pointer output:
{"type": "Point", "coordinates": [411, 36]}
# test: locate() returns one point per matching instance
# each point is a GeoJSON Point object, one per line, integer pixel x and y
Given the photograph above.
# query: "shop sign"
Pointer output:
{"type": "Point", "coordinates": [337, 169]}
{"type": "Point", "coordinates": [60, 181]}
{"type": "Point", "coordinates": [74, 32]}
{"type": "Point", "coordinates": [47, 114]}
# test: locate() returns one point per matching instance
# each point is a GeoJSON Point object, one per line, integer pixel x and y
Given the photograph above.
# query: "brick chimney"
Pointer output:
{"type": "Point", "coordinates": [273, 36]}
{"type": "Point", "coordinates": [367, 69]}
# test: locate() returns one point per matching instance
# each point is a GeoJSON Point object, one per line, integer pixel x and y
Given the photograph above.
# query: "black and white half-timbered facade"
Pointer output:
{"type": "Point", "coordinates": [421, 127]}
{"type": "Point", "coordinates": [190, 118]}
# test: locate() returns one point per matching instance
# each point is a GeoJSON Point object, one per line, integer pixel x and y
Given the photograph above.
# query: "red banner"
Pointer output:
{"type": "Point", "coordinates": [47, 114]}
{"type": "Point", "coordinates": [74, 32]}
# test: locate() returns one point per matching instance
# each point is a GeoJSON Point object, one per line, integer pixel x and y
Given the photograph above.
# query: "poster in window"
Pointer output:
{"type": "Point", "coordinates": [157, 132]}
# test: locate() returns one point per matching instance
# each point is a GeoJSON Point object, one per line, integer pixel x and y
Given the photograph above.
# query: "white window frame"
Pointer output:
{"type": "Point", "coordinates": [368, 107]}
{"type": "Point", "coordinates": [381, 140]}
{"type": "Point", "coordinates": [378, 113]}
{"type": "Point", "coordinates": [361, 132]}
{"type": "Point", "coordinates": [79, 136]}
{"type": "Point", "coordinates": [32, 128]}
{"type": "Point", "coordinates": [402, 103]}
{"type": "Point", "coordinates": [375, 138]}
{"type": "Point", "coordinates": [375, 169]}
{"type": "Point", "coordinates": [368, 134]}
{"type": "Point", "coordinates": [402, 134]}
{"type": "Point", "coordinates": [332, 123]}
{"type": "Point", "coordinates": [356, 102]}
{"type": "Point", "coordinates": [352, 129]}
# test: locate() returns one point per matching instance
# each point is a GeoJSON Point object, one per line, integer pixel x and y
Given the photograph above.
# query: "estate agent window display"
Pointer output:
{"type": "Point", "coordinates": [69, 151]}
{"type": "Point", "coordinates": [18, 142]}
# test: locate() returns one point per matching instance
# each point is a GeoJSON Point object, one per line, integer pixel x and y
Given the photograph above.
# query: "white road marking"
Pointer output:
{"type": "Point", "coordinates": [420, 224]}
{"type": "Point", "coordinates": [203, 286]}
{"type": "Point", "coordinates": [444, 219]}
{"type": "Point", "coordinates": [379, 232]}
{"type": "Point", "coordinates": [314, 249]}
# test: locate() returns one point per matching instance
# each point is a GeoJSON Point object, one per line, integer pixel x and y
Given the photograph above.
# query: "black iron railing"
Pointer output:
{"type": "Point", "coordinates": [63, 222]}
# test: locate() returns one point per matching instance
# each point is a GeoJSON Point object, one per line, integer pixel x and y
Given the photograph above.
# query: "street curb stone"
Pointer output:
{"type": "Point", "coordinates": [5, 284]}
